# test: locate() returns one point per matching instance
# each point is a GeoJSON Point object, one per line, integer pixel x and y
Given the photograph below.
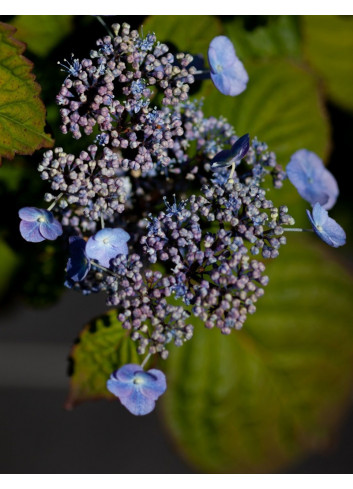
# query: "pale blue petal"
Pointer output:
{"type": "Point", "coordinates": [30, 231]}
{"type": "Point", "coordinates": [127, 372]}
{"type": "Point", "coordinates": [312, 180]}
{"type": "Point", "coordinates": [106, 245]}
{"type": "Point", "coordinates": [120, 389]}
{"type": "Point", "coordinates": [334, 233]}
{"type": "Point", "coordinates": [137, 403]}
{"type": "Point", "coordinates": [50, 230]}
{"type": "Point", "coordinates": [30, 213]}
{"type": "Point", "coordinates": [227, 71]}
{"type": "Point", "coordinates": [155, 384]}
{"type": "Point", "coordinates": [330, 186]}
{"type": "Point", "coordinates": [320, 215]}
{"type": "Point", "coordinates": [326, 228]}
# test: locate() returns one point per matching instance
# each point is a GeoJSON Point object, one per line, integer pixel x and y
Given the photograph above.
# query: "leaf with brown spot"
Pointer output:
{"type": "Point", "coordinates": [22, 113]}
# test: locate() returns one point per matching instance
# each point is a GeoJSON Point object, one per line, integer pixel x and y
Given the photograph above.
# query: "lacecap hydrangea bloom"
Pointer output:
{"type": "Point", "coordinates": [165, 210]}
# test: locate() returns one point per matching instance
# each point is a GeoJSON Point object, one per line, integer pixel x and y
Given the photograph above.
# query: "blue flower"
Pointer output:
{"type": "Point", "coordinates": [137, 390]}
{"type": "Point", "coordinates": [73, 68]}
{"type": "Point", "coordinates": [78, 264]}
{"type": "Point", "coordinates": [107, 244]}
{"type": "Point", "coordinates": [102, 139]}
{"type": "Point", "coordinates": [227, 71]}
{"type": "Point", "coordinates": [312, 180]}
{"type": "Point", "coordinates": [326, 228]}
{"type": "Point", "coordinates": [235, 154]}
{"type": "Point", "coordinates": [38, 224]}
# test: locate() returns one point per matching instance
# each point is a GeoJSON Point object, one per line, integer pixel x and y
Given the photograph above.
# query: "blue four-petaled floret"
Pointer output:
{"type": "Point", "coordinates": [137, 389]}
{"type": "Point", "coordinates": [38, 225]}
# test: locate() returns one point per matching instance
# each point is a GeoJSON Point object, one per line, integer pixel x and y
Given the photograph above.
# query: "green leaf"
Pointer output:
{"type": "Point", "coordinates": [189, 33]}
{"type": "Point", "coordinates": [103, 346]}
{"type": "Point", "coordinates": [22, 113]}
{"type": "Point", "coordinates": [265, 396]}
{"type": "Point", "coordinates": [280, 106]}
{"type": "Point", "coordinates": [42, 33]}
{"type": "Point", "coordinates": [279, 38]}
{"type": "Point", "coordinates": [328, 46]}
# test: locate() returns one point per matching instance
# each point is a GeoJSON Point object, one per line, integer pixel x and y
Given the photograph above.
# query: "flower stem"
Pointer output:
{"type": "Point", "coordinates": [97, 265]}
{"type": "Point", "coordinates": [99, 18]}
{"type": "Point", "coordinates": [230, 179]}
{"type": "Point", "coordinates": [298, 230]}
{"type": "Point", "coordinates": [102, 222]}
{"type": "Point", "coordinates": [55, 201]}
{"type": "Point", "coordinates": [147, 357]}
{"type": "Point", "coordinates": [198, 72]}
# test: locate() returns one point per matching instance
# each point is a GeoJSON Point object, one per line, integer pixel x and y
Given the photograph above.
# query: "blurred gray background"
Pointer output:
{"type": "Point", "coordinates": [37, 435]}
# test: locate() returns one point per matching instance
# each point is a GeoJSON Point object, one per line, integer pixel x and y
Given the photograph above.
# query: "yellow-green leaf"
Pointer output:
{"type": "Point", "coordinates": [328, 46]}
{"type": "Point", "coordinates": [42, 33]}
{"type": "Point", "coordinates": [280, 106]}
{"type": "Point", "coordinates": [22, 113]}
{"type": "Point", "coordinates": [189, 33]}
{"type": "Point", "coordinates": [263, 397]}
{"type": "Point", "coordinates": [103, 346]}
{"type": "Point", "coordinates": [279, 38]}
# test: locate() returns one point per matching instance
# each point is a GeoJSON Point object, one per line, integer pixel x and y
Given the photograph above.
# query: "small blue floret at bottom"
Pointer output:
{"type": "Point", "coordinates": [137, 389]}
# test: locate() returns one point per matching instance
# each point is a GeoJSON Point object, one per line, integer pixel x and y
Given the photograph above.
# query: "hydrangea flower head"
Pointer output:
{"type": "Point", "coordinates": [78, 264]}
{"type": "Point", "coordinates": [108, 243]}
{"type": "Point", "coordinates": [326, 228]}
{"type": "Point", "coordinates": [227, 71]}
{"type": "Point", "coordinates": [235, 153]}
{"type": "Point", "coordinates": [313, 181]}
{"type": "Point", "coordinates": [38, 225]}
{"type": "Point", "coordinates": [137, 389]}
